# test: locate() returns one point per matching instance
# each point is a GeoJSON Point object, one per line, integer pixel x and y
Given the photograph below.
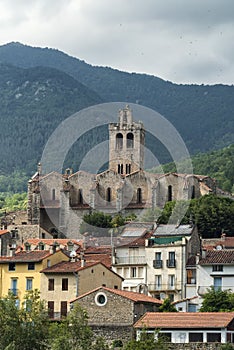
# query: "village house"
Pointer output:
{"type": "Point", "coordinates": [189, 327]}
{"type": "Point", "coordinates": [21, 272]}
{"type": "Point", "coordinates": [69, 279]}
{"type": "Point", "coordinates": [112, 312]}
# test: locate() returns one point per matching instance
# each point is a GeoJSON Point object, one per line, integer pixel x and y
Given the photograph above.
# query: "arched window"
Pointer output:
{"type": "Point", "coordinates": [53, 194]}
{"type": "Point", "coordinates": [139, 195]}
{"type": "Point", "coordinates": [169, 193]}
{"type": "Point", "coordinates": [130, 140]}
{"type": "Point", "coordinates": [108, 194]}
{"type": "Point", "coordinates": [192, 192]}
{"type": "Point", "coordinates": [119, 141]}
{"type": "Point", "coordinates": [128, 168]}
{"type": "Point", "coordinates": [80, 196]}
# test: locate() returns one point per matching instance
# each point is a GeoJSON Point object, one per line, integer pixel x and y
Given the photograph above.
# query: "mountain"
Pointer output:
{"type": "Point", "coordinates": [33, 102]}
{"type": "Point", "coordinates": [202, 114]}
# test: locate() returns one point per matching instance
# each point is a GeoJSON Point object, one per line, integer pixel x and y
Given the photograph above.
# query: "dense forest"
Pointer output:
{"type": "Point", "coordinates": [36, 98]}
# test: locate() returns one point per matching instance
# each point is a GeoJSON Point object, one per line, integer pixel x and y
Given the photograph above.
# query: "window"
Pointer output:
{"type": "Point", "coordinates": [171, 281]}
{"type": "Point", "coordinates": [29, 283]}
{"type": "Point", "coordinates": [51, 284]}
{"type": "Point", "coordinates": [214, 337]}
{"type": "Point", "coordinates": [108, 194]}
{"type": "Point", "coordinates": [192, 192]}
{"type": "Point", "coordinates": [41, 246]}
{"type": "Point", "coordinates": [65, 284]}
{"type": "Point", "coordinates": [195, 337]}
{"type": "Point", "coordinates": [101, 299]}
{"type": "Point", "coordinates": [128, 168]}
{"type": "Point", "coordinates": [51, 309]}
{"type": "Point", "coordinates": [80, 196]}
{"type": "Point", "coordinates": [158, 282]}
{"type": "Point", "coordinates": [139, 195]}
{"type": "Point", "coordinates": [191, 276]}
{"type": "Point", "coordinates": [171, 261]}
{"type": "Point", "coordinates": [157, 263]}
{"type": "Point", "coordinates": [63, 309]}
{"type": "Point", "coordinates": [27, 247]}
{"type": "Point", "coordinates": [31, 266]}
{"type": "Point", "coordinates": [166, 336]}
{"type": "Point", "coordinates": [169, 193]}
{"type": "Point", "coordinates": [120, 168]}
{"type": "Point", "coordinates": [130, 140]}
{"type": "Point", "coordinates": [217, 268]}
{"type": "Point", "coordinates": [11, 266]}
{"type": "Point", "coordinates": [14, 289]}
{"type": "Point", "coordinates": [133, 272]}
{"type": "Point", "coordinates": [53, 194]}
{"type": "Point", "coordinates": [217, 283]}
{"type": "Point", "coordinates": [119, 141]}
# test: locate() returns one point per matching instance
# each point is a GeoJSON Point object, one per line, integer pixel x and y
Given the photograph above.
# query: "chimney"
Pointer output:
{"type": "Point", "coordinates": [82, 259]}
{"type": "Point", "coordinates": [223, 236]}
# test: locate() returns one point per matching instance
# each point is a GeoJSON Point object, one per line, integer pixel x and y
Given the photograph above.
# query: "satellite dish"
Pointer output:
{"type": "Point", "coordinates": [219, 247]}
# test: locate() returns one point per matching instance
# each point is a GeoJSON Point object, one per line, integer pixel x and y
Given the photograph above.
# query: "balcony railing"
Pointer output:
{"type": "Point", "coordinates": [161, 287]}
{"type": "Point", "coordinates": [171, 263]}
{"type": "Point", "coordinates": [14, 291]}
{"type": "Point", "coordinates": [130, 260]}
{"type": "Point", "coordinates": [157, 264]}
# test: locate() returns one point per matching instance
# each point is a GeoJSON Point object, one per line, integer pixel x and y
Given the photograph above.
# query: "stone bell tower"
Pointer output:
{"type": "Point", "coordinates": [126, 144]}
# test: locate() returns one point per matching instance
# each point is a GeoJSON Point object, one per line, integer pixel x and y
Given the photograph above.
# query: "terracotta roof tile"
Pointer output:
{"type": "Point", "coordinates": [218, 257]}
{"type": "Point", "coordinates": [68, 267]}
{"type": "Point", "coordinates": [184, 320]}
{"type": "Point", "coordinates": [136, 297]}
{"type": "Point", "coordinates": [31, 256]}
{"type": "Point", "coordinates": [2, 232]}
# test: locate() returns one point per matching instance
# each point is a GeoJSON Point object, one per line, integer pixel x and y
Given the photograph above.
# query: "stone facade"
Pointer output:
{"type": "Point", "coordinates": [58, 202]}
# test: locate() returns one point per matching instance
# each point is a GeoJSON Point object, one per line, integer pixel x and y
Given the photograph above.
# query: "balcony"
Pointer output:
{"type": "Point", "coordinates": [130, 260]}
{"type": "Point", "coordinates": [13, 291]}
{"type": "Point", "coordinates": [157, 264]}
{"type": "Point", "coordinates": [171, 263]}
{"type": "Point", "coordinates": [161, 287]}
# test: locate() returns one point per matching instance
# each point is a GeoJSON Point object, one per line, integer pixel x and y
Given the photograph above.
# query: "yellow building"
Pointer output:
{"type": "Point", "coordinates": [21, 272]}
{"type": "Point", "coordinates": [67, 280]}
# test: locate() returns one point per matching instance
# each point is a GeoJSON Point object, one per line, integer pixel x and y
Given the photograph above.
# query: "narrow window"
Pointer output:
{"type": "Point", "coordinates": [169, 193]}
{"type": "Point", "coordinates": [171, 281]}
{"type": "Point", "coordinates": [130, 140]}
{"type": "Point", "coordinates": [65, 284]}
{"type": "Point", "coordinates": [51, 309]}
{"type": "Point", "coordinates": [53, 194]}
{"type": "Point", "coordinates": [108, 194]}
{"type": "Point", "coordinates": [51, 284]}
{"type": "Point", "coordinates": [119, 141]}
{"type": "Point", "coordinates": [14, 289]}
{"type": "Point", "coordinates": [29, 284]}
{"type": "Point", "coordinates": [80, 196]}
{"type": "Point", "coordinates": [192, 192]}
{"type": "Point", "coordinates": [158, 282]}
{"type": "Point", "coordinates": [128, 168]}
{"type": "Point", "coordinates": [63, 309]}
{"type": "Point", "coordinates": [133, 272]}
{"type": "Point", "coordinates": [139, 195]}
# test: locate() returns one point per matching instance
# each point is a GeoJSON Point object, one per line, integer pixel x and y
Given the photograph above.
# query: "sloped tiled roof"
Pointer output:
{"type": "Point", "coordinates": [133, 296]}
{"type": "Point", "coordinates": [2, 232]}
{"type": "Point", "coordinates": [211, 243]}
{"type": "Point", "coordinates": [31, 256]}
{"type": "Point", "coordinates": [163, 230]}
{"type": "Point", "coordinates": [185, 320]}
{"type": "Point", "coordinates": [51, 241]}
{"type": "Point", "coordinates": [218, 257]}
{"type": "Point", "coordinates": [69, 267]}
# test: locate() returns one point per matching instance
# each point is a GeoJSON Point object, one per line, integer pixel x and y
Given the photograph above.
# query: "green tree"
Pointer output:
{"type": "Point", "coordinates": [24, 327]}
{"type": "Point", "coordinates": [217, 301]}
{"type": "Point", "coordinates": [167, 306]}
{"type": "Point", "coordinates": [147, 342]}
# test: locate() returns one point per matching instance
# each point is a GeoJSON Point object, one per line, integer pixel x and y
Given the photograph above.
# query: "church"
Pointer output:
{"type": "Point", "coordinates": [58, 202]}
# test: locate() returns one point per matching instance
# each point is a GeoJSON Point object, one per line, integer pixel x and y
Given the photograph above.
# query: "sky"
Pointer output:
{"type": "Point", "coordinates": [183, 41]}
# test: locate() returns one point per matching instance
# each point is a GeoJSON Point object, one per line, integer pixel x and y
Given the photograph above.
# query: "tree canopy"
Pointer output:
{"type": "Point", "coordinates": [217, 300]}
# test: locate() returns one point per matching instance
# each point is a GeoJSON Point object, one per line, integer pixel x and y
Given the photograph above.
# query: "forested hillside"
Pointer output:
{"type": "Point", "coordinates": [32, 103]}
{"type": "Point", "coordinates": [217, 164]}
{"type": "Point", "coordinates": [203, 115]}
